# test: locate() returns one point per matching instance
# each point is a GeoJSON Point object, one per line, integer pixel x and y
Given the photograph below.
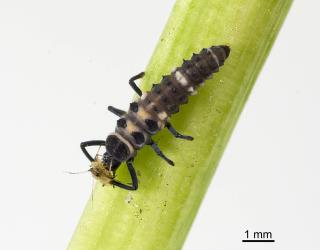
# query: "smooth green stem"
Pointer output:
{"type": "Point", "coordinates": [159, 215]}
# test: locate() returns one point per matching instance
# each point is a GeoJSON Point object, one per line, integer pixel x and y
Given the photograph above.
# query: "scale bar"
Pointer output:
{"type": "Point", "coordinates": [258, 241]}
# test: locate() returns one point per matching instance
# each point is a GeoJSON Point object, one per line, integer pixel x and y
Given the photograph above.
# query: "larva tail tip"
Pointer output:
{"type": "Point", "coordinates": [226, 49]}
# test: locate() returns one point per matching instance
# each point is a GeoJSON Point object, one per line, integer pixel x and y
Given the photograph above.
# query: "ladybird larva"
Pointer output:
{"type": "Point", "coordinates": [150, 114]}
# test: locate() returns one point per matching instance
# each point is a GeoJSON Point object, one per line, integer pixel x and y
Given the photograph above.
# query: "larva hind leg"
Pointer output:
{"type": "Point", "coordinates": [134, 85]}
{"type": "Point", "coordinates": [176, 133]}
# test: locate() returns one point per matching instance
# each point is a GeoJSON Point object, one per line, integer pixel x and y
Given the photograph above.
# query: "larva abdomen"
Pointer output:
{"type": "Point", "coordinates": [150, 113]}
{"type": "Point", "coordinates": [165, 98]}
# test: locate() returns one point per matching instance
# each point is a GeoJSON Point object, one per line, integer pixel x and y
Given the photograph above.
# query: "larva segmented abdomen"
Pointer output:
{"type": "Point", "coordinates": [150, 113]}
{"type": "Point", "coordinates": [174, 89]}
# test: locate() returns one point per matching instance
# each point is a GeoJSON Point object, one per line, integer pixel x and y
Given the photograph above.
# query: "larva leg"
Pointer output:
{"type": "Point", "coordinates": [117, 112]}
{"type": "Point", "coordinates": [177, 134]}
{"type": "Point", "coordinates": [85, 144]}
{"type": "Point", "coordinates": [159, 152]}
{"type": "Point", "coordinates": [134, 178]}
{"type": "Point", "coordinates": [134, 85]}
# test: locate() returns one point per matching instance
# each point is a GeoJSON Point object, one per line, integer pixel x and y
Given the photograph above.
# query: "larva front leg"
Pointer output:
{"type": "Point", "coordinates": [84, 145]}
{"type": "Point", "coordinates": [134, 179]}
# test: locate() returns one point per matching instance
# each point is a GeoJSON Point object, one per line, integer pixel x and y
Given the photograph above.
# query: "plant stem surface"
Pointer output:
{"type": "Point", "coordinates": [160, 214]}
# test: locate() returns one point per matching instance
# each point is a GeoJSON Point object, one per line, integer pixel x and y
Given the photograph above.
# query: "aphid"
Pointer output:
{"type": "Point", "coordinates": [150, 114]}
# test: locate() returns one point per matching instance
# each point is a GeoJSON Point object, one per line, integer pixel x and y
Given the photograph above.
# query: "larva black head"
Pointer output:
{"type": "Point", "coordinates": [117, 149]}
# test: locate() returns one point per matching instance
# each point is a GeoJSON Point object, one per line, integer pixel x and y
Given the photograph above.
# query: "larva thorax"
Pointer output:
{"type": "Point", "coordinates": [150, 112]}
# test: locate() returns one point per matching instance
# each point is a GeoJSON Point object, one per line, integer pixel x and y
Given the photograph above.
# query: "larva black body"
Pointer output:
{"type": "Point", "coordinates": [150, 113]}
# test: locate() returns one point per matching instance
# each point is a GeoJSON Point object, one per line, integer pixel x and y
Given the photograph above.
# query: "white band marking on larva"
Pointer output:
{"type": "Point", "coordinates": [214, 56]}
{"type": "Point", "coordinates": [181, 79]}
{"type": "Point", "coordinates": [161, 124]}
{"type": "Point", "coordinates": [190, 89]}
{"type": "Point", "coordinates": [144, 95]}
{"type": "Point", "coordinates": [163, 115]}
{"type": "Point", "coordinates": [151, 105]}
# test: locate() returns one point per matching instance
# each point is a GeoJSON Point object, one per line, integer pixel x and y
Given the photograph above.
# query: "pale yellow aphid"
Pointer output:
{"type": "Point", "coordinates": [101, 172]}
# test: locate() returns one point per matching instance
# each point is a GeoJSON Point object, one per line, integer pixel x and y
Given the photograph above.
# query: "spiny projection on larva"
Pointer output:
{"type": "Point", "coordinates": [150, 114]}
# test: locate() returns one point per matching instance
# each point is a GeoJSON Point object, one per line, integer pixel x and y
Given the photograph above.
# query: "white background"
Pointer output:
{"type": "Point", "coordinates": [63, 62]}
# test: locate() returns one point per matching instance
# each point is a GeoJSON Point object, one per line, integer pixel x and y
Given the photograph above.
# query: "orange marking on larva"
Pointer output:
{"type": "Point", "coordinates": [131, 127]}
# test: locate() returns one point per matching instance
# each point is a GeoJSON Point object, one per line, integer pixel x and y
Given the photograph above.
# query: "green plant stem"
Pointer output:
{"type": "Point", "coordinates": [159, 215]}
